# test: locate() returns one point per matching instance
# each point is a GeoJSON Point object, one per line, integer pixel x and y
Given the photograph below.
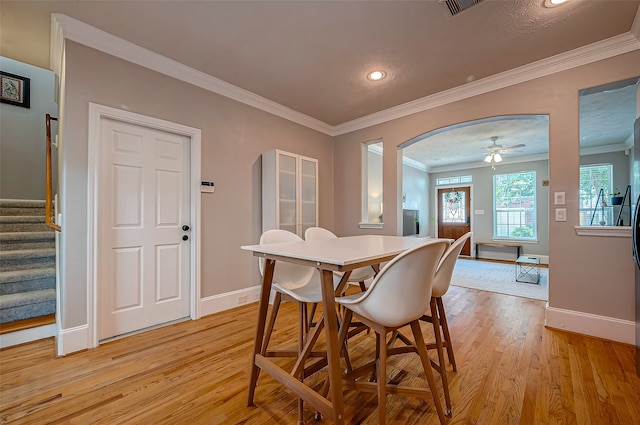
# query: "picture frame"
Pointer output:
{"type": "Point", "coordinates": [15, 90]}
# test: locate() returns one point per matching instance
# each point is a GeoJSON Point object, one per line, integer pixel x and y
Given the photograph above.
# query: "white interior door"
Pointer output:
{"type": "Point", "coordinates": [143, 203]}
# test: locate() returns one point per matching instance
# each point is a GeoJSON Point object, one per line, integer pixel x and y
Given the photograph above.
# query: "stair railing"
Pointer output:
{"type": "Point", "coordinates": [49, 213]}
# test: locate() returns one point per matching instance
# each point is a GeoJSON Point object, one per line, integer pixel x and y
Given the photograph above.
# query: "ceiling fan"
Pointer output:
{"type": "Point", "coordinates": [495, 151]}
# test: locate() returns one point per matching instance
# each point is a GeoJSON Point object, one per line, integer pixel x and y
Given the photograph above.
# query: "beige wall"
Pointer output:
{"type": "Point", "coordinates": [587, 274]}
{"type": "Point", "coordinates": [233, 137]}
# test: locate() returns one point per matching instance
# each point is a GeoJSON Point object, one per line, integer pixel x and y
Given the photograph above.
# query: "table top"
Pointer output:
{"type": "Point", "coordinates": [523, 259]}
{"type": "Point", "coordinates": [341, 252]}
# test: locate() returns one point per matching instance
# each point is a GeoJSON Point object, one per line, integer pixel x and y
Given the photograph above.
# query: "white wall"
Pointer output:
{"type": "Point", "coordinates": [23, 135]}
{"type": "Point", "coordinates": [415, 195]}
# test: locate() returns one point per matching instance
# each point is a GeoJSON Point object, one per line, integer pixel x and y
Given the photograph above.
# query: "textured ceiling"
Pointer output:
{"type": "Point", "coordinates": [312, 56]}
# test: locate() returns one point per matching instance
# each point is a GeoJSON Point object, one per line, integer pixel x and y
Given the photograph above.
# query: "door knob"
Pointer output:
{"type": "Point", "coordinates": [185, 238]}
{"type": "Point", "coordinates": [185, 227]}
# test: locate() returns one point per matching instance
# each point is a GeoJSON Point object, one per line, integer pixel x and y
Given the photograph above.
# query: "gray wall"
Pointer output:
{"type": "Point", "coordinates": [23, 134]}
{"type": "Point", "coordinates": [233, 137]}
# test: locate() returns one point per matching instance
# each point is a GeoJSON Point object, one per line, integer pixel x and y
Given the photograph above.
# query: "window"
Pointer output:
{"type": "Point", "coordinates": [372, 182]}
{"type": "Point", "coordinates": [593, 179]}
{"type": "Point", "coordinates": [514, 205]}
{"type": "Point", "coordinates": [453, 206]}
{"type": "Point", "coordinates": [453, 180]}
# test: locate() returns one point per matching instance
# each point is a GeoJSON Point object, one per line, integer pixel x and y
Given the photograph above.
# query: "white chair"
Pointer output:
{"type": "Point", "coordinates": [359, 275]}
{"type": "Point", "coordinates": [441, 283]}
{"type": "Point", "coordinates": [293, 282]}
{"type": "Point", "coordinates": [437, 316]}
{"type": "Point", "coordinates": [398, 296]}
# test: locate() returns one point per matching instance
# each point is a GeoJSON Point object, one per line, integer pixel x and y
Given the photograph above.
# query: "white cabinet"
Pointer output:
{"type": "Point", "coordinates": [289, 192]}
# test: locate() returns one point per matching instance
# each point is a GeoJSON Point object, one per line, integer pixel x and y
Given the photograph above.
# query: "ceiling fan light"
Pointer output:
{"type": "Point", "coordinates": [488, 158]}
{"type": "Point", "coordinates": [497, 157]}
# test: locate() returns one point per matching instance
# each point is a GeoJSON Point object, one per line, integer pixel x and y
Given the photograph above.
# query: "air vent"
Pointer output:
{"type": "Point", "coordinates": [456, 6]}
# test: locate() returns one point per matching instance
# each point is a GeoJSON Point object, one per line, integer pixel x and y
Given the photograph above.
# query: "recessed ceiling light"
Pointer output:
{"type": "Point", "coordinates": [554, 3]}
{"type": "Point", "coordinates": [376, 75]}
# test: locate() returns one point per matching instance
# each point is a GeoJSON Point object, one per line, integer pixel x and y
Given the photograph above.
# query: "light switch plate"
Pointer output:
{"type": "Point", "coordinates": [561, 214]}
{"type": "Point", "coordinates": [558, 198]}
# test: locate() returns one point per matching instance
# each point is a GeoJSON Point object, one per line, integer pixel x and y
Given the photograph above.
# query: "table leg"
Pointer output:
{"type": "Point", "coordinates": [260, 326]}
{"type": "Point", "coordinates": [333, 346]}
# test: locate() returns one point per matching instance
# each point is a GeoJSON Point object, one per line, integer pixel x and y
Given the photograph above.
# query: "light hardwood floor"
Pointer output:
{"type": "Point", "coordinates": [511, 370]}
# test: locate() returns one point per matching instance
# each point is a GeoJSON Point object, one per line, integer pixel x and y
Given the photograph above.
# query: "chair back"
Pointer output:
{"type": "Point", "coordinates": [442, 279]}
{"type": "Point", "coordinates": [318, 233]}
{"type": "Point", "coordinates": [401, 292]}
{"type": "Point", "coordinates": [287, 274]}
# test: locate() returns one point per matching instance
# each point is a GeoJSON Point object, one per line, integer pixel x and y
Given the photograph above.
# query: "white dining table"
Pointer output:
{"type": "Point", "coordinates": [339, 254]}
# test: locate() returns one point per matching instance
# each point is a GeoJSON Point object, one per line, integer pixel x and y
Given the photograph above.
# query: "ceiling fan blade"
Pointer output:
{"type": "Point", "coordinates": [521, 145]}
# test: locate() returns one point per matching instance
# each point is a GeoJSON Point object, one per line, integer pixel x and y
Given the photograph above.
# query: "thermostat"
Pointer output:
{"type": "Point", "coordinates": [207, 187]}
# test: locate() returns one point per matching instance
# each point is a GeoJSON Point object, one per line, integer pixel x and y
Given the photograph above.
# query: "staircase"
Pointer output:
{"type": "Point", "coordinates": [27, 262]}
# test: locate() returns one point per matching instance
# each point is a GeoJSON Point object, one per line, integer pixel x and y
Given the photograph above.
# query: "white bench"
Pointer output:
{"type": "Point", "coordinates": [517, 246]}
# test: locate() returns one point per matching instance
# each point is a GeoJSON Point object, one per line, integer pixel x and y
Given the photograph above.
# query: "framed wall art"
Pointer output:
{"type": "Point", "coordinates": [16, 90]}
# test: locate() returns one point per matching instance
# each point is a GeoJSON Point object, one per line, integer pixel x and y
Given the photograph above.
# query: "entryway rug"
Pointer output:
{"type": "Point", "coordinates": [498, 277]}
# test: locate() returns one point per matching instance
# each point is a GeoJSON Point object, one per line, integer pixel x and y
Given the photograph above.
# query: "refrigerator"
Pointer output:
{"type": "Point", "coordinates": [410, 222]}
{"type": "Point", "coordinates": [635, 192]}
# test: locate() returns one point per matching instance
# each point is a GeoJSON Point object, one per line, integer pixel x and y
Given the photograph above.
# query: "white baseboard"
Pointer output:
{"type": "Point", "coordinates": [590, 324]}
{"type": "Point", "coordinates": [228, 300]}
{"type": "Point", "coordinates": [72, 340]}
{"type": "Point", "coordinates": [76, 339]}
{"type": "Point", "coordinates": [27, 335]}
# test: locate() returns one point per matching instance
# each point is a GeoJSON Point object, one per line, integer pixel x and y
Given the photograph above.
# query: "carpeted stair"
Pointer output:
{"type": "Point", "coordinates": [27, 261]}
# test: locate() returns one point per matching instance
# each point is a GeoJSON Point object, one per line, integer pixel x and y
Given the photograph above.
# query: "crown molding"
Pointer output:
{"type": "Point", "coordinates": [415, 164]}
{"type": "Point", "coordinates": [605, 49]}
{"type": "Point", "coordinates": [596, 150]}
{"type": "Point", "coordinates": [482, 164]}
{"type": "Point", "coordinates": [79, 32]}
{"type": "Point", "coordinates": [64, 27]}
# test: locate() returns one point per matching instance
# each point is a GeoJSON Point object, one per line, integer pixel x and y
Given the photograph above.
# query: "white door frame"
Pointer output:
{"type": "Point", "coordinates": [96, 114]}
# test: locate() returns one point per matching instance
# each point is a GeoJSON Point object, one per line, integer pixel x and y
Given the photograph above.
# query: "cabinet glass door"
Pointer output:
{"type": "Point", "coordinates": [308, 193]}
{"type": "Point", "coordinates": [287, 214]}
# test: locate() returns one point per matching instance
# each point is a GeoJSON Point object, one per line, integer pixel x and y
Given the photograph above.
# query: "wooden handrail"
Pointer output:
{"type": "Point", "coordinates": [48, 218]}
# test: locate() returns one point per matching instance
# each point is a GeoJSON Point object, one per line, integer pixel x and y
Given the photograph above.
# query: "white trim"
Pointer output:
{"type": "Point", "coordinates": [371, 225]}
{"type": "Point", "coordinates": [72, 340]}
{"type": "Point", "coordinates": [96, 114]}
{"type": "Point", "coordinates": [595, 150]}
{"type": "Point", "coordinates": [228, 300]}
{"type": "Point", "coordinates": [414, 164]}
{"type": "Point", "coordinates": [591, 324]}
{"type": "Point", "coordinates": [609, 231]}
{"type": "Point", "coordinates": [27, 335]}
{"type": "Point", "coordinates": [482, 164]}
{"type": "Point", "coordinates": [108, 43]}
{"type": "Point", "coordinates": [82, 33]}
{"type": "Point", "coordinates": [58, 284]}
{"type": "Point", "coordinates": [635, 27]}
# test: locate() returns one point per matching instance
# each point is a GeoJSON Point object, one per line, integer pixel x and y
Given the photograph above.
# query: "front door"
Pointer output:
{"type": "Point", "coordinates": [143, 221]}
{"type": "Point", "coordinates": [454, 214]}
